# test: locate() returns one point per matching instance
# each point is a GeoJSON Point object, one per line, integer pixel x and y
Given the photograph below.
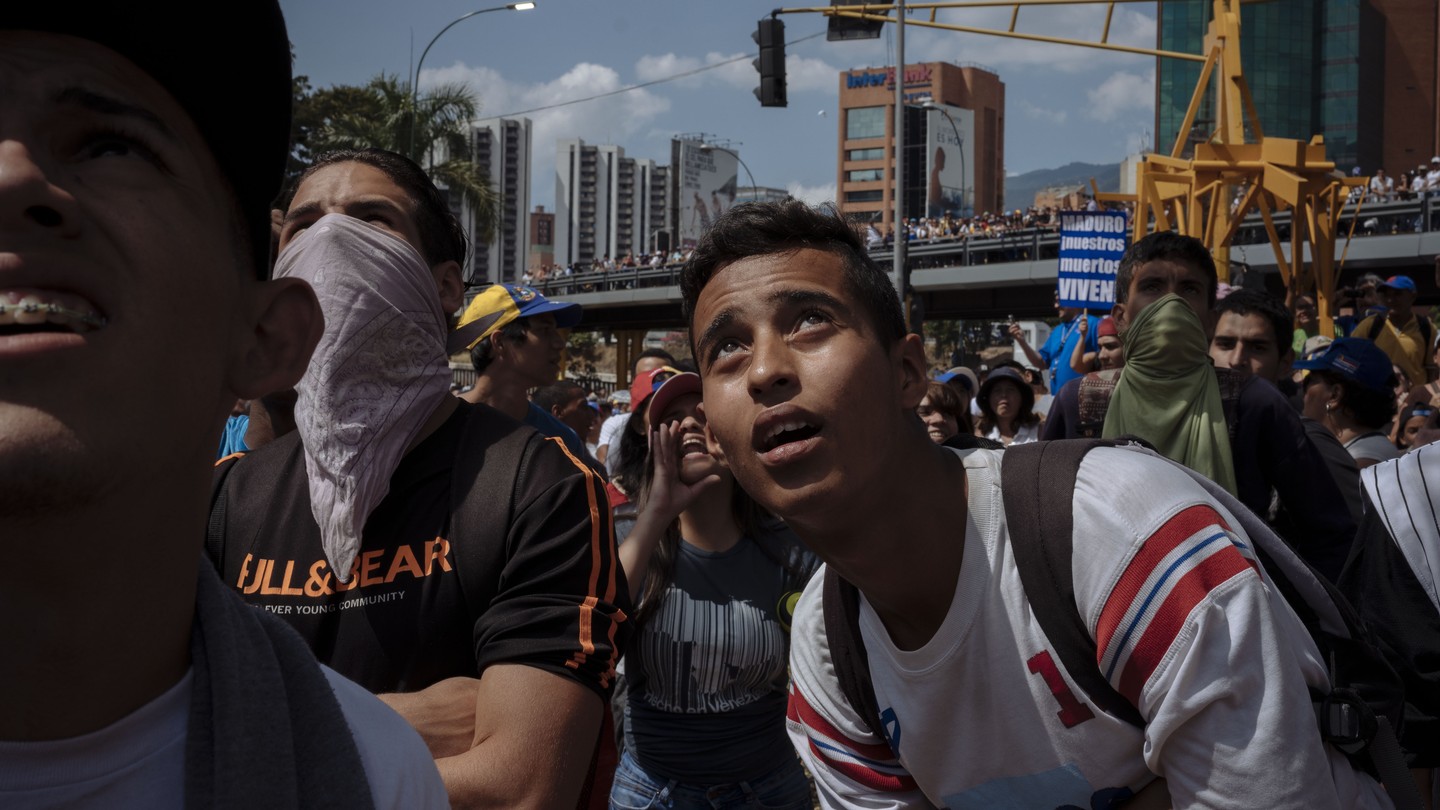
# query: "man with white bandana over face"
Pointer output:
{"type": "Point", "coordinates": [496, 638]}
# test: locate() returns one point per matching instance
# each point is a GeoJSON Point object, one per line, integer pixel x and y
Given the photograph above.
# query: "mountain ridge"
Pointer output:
{"type": "Point", "coordinates": [1020, 190]}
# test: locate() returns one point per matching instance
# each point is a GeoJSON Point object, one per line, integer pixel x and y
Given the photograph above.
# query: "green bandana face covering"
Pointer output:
{"type": "Point", "coordinates": [1168, 395]}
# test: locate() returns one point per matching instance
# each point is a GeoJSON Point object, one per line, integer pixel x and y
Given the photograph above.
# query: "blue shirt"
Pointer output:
{"type": "Point", "coordinates": [1058, 350]}
{"type": "Point", "coordinates": [550, 426]}
{"type": "Point", "coordinates": [233, 440]}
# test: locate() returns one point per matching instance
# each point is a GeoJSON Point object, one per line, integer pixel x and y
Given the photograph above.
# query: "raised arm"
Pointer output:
{"type": "Point", "coordinates": [1081, 361]}
{"type": "Point", "coordinates": [667, 498]}
{"type": "Point", "coordinates": [1018, 335]}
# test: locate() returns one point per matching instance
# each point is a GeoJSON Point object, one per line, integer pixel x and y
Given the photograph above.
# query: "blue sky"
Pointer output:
{"type": "Point", "coordinates": [1064, 103]}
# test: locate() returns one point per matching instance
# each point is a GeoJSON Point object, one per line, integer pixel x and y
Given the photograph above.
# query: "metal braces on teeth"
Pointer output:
{"type": "Point", "coordinates": [30, 307]}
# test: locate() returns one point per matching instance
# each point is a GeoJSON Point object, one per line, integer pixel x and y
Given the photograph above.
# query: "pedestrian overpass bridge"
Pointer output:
{"type": "Point", "coordinates": [1015, 273]}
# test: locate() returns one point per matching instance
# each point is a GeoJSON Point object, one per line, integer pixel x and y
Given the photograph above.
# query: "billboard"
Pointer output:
{"type": "Point", "coordinates": [1091, 245]}
{"type": "Point", "coordinates": [706, 187]}
{"type": "Point", "coordinates": [949, 162]}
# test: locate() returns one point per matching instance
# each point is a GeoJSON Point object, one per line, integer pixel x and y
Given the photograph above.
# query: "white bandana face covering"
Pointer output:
{"type": "Point", "coordinates": [378, 374]}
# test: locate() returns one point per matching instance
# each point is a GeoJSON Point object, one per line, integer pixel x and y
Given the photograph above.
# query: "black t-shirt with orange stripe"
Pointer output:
{"type": "Point", "coordinates": [538, 584]}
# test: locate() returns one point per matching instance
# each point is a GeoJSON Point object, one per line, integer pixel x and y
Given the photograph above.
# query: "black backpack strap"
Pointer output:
{"type": "Point", "coordinates": [841, 603]}
{"type": "Point", "coordinates": [1377, 325]}
{"type": "Point", "coordinates": [1038, 485]}
{"type": "Point", "coordinates": [489, 459]}
{"type": "Point", "coordinates": [219, 505]}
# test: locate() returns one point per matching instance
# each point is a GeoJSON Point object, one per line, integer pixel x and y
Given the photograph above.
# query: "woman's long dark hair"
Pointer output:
{"type": "Point", "coordinates": [633, 462]}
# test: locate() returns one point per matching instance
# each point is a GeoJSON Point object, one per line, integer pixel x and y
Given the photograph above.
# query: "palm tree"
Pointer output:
{"type": "Point", "coordinates": [380, 114]}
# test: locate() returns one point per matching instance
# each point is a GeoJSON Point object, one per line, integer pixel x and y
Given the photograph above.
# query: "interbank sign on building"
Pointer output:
{"type": "Point", "coordinates": [917, 76]}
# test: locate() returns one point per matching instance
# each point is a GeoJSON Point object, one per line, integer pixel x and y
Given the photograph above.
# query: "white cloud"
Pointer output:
{"type": "Point", "coordinates": [616, 119]}
{"type": "Point", "coordinates": [812, 195]}
{"type": "Point", "coordinates": [806, 74]}
{"type": "Point", "coordinates": [1122, 92]}
{"type": "Point", "coordinates": [650, 67]}
{"type": "Point", "coordinates": [802, 73]}
{"type": "Point", "coordinates": [1083, 23]}
{"type": "Point", "coordinates": [1055, 117]}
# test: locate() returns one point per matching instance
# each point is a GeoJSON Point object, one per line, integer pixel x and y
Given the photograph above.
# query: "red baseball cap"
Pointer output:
{"type": "Point", "coordinates": [671, 390]}
{"type": "Point", "coordinates": [648, 383]}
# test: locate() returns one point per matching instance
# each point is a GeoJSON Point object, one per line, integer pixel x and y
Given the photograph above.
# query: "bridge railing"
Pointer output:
{"type": "Point", "coordinates": [1375, 218]}
{"type": "Point", "coordinates": [1024, 244]}
{"type": "Point", "coordinates": [628, 278]}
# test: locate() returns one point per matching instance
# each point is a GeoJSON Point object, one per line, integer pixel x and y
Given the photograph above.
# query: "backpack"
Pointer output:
{"type": "Point", "coordinates": [1427, 329]}
{"type": "Point", "coordinates": [1358, 716]}
{"type": "Point", "coordinates": [489, 460]}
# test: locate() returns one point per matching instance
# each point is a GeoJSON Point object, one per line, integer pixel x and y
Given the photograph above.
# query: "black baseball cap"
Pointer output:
{"type": "Point", "coordinates": [228, 66]}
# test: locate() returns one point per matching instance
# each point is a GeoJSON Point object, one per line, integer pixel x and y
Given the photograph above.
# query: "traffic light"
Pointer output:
{"type": "Point", "coordinates": [847, 28]}
{"type": "Point", "coordinates": [771, 64]}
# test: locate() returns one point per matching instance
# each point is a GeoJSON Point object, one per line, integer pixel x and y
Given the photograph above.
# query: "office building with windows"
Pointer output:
{"type": "Point", "coordinates": [605, 203]}
{"type": "Point", "coordinates": [1361, 73]}
{"type": "Point", "coordinates": [501, 149]}
{"type": "Point", "coordinates": [975, 102]}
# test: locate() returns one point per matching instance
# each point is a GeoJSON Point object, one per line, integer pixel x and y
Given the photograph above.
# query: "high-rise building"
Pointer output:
{"type": "Point", "coordinates": [605, 203]}
{"type": "Point", "coordinates": [542, 239]}
{"type": "Point", "coordinates": [970, 125]}
{"type": "Point", "coordinates": [1361, 73]}
{"type": "Point", "coordinates": [659, 224]}
{"type": "Point", "coordinates": [501, 148]}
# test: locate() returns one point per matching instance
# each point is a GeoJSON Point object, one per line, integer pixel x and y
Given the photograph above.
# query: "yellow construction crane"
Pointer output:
{"type": "Point", "coordinates": [1208, 194]}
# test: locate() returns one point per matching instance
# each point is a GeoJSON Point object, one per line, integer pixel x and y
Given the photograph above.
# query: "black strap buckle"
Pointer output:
{"type": "Point", "coordinates": [1346, 720]}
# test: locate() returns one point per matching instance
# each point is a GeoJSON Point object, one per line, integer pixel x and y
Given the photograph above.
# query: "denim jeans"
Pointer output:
{"type": "Point", "coordinates": [785, 788]}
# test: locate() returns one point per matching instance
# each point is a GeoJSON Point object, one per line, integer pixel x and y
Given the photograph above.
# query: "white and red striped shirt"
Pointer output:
{"type": "Point", "coordinates": [1186, 628]}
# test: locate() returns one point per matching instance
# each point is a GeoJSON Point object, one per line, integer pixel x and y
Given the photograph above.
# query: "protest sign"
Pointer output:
{"type": "Point", "coordinates": [1091, 244]}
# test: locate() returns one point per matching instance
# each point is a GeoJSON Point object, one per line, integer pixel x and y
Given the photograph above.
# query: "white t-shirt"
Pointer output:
{"type": "Point", "coordinates": [1024, 434]}
{"type": "Point", "coordinates": [982, 716]}
{"type": "Point", "coordinates": [139, 761]}
{"type": "Point", "coordinates": [610, 432]}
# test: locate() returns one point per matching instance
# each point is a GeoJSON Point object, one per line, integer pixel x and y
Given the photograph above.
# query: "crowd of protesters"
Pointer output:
{"type": "Point", "coordinates": [787, 570]}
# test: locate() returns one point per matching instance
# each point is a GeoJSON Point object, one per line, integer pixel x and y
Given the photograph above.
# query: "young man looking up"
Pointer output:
{"type": "Point", "coordinates": [486, 604]}
{"type": "Point", "coordinates": [1270, 451]}
{"type": "Point", "coordinates": [810, 387]}
{"type": "Point", "coordinates": [135, 189]}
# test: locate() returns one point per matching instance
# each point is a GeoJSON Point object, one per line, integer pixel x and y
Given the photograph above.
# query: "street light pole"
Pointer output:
{"type": "Point", "coordinates": [899, 230]}
{"type": "Point", "coordinates": [930, 104]}
{"type": "Point", "coordinates": [754, 189]}
{"type": "Point", "coordinates": [415, 83]}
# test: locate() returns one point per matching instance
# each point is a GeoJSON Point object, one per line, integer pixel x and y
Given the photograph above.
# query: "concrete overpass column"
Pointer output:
{"type": "Point", "coordinates": [628, 345]}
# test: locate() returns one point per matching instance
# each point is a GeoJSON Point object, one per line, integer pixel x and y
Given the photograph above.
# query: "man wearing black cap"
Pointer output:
{"type": "Point", "coordinates": [134, 221]}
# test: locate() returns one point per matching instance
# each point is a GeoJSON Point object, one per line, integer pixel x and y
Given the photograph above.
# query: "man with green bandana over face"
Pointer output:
{"type": "Point", "coordinates": [1269, 452]}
